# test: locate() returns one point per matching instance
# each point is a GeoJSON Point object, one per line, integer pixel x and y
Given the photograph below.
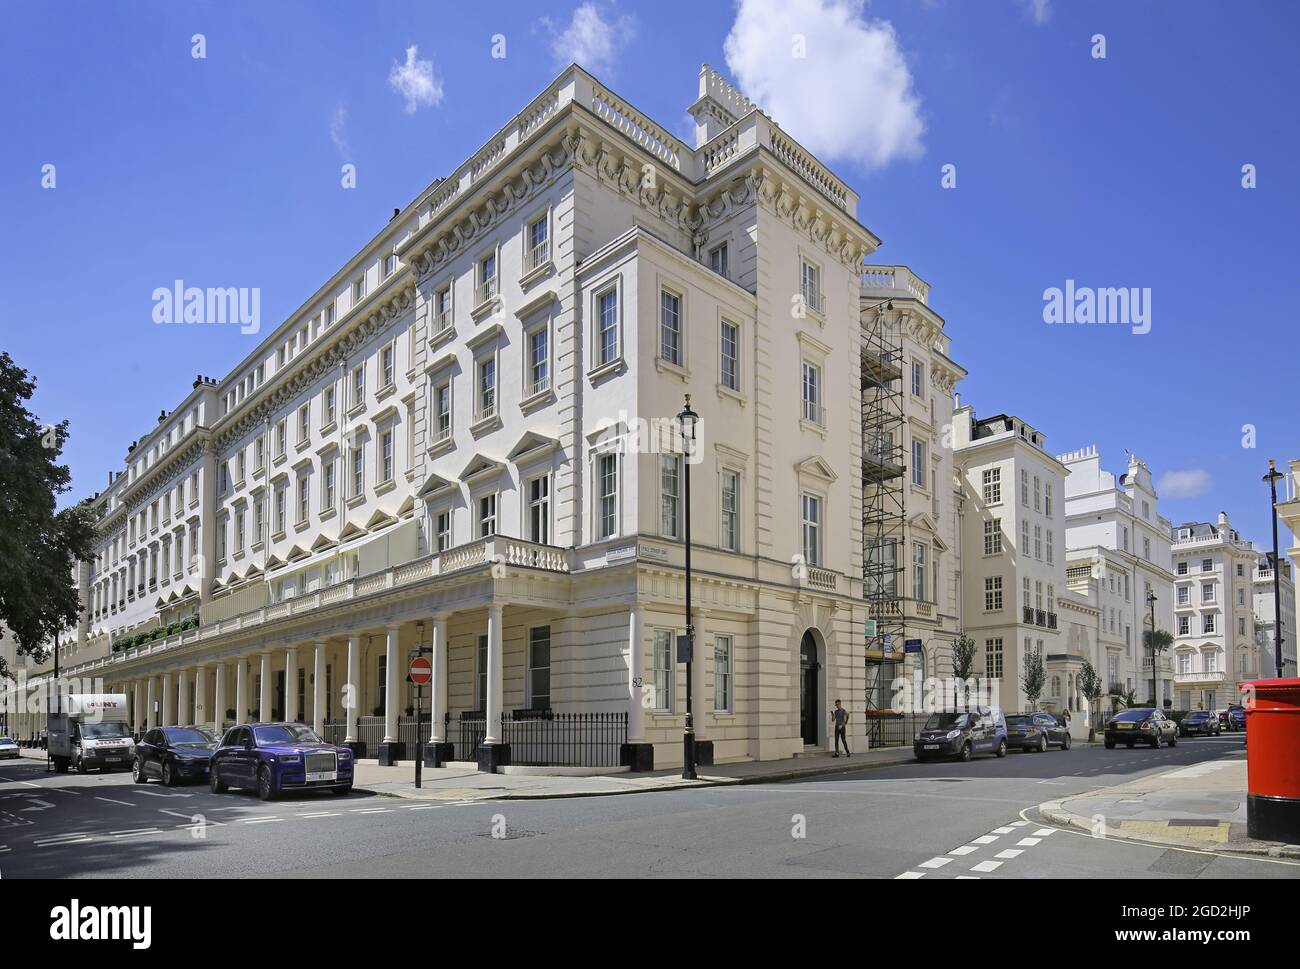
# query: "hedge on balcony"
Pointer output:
{"type": "Point", "coordinates": [149, 635]}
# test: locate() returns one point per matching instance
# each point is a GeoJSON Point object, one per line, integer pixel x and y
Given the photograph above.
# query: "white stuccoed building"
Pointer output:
{"type": "Point", "coordinates": [1115, 529]}
{"type": "Point", "coordinates": [459, 442]}
{"type": "Point", "coordinates": [1265, 658]}
{"type": "Point", "coordinates": [1013, 548]}
{"type": "Point", "coordinates": [1214, 614]}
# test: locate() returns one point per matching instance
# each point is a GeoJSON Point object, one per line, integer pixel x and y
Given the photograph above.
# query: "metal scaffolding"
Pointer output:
{"type": "Point", "coordinates": [883, 503]}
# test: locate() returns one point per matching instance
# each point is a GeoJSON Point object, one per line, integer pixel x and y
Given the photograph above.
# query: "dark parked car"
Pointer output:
{"type": "Point", "coordinates": [173, 755]}
{"type": "Point", "coordinates": [962, 735]}
{"type": "Point", "coordinates": [272, 758]}
{"type": "Point", "coordinates": [1199, 722]}
{"type": "Point", "coordinates": [1141, 725]}
{"type": "Point", "coordinates": [1036, 731]}
{"type": "Point", "coordinates": [1233, 718]}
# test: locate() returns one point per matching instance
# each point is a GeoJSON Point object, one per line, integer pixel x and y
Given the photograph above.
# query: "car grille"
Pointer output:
{"type": "Point", "coordinates": [321, 762]}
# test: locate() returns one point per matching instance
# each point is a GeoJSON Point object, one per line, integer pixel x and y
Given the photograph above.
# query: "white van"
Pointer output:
{"type": "Point", "coordinates": [90, 731]}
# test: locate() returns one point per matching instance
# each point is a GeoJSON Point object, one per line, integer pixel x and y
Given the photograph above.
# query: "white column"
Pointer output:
{"type": "Point", "coordinates": [219, 696]}
{"type": "Point", "coordinates": [438, 658]}
{"type": "Point", "coordinates": [150, 715]}
{"type": "Point", "coordinates": [139, 707]}
{"type": "Point", "coordinates": [264, 700]}
{"type": "Point", "coordinates": [168, 707]}
{"type": "Point", "coordinates": [392, 688]}
{"type": "Point", "coordinates": [635, 678]}
{"type": "Point", "coordinates": [318, 689]}
{"type": "Point", "coordinates": [291, 712]}
{"type": "Point", "coordinates": [183, 698]}
{"type": "Point", "coordinates": [492, 729]}
{"type": "Point", "coordinates": [241, 690]}
{"type": "Point", "coordinates": [200, 695]}
{"type": "Point", "coordinates": [352, 688]}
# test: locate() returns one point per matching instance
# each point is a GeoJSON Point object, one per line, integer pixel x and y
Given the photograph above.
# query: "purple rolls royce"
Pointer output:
{"type": "Point", "coordinates": [272, 758]}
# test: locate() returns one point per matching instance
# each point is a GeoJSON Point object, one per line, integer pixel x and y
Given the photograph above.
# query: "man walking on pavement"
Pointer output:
{"type": "Point", "coordinates": [840, 717]}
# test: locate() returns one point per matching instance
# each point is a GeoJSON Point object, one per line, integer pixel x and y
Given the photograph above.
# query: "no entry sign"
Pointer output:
{"type": "Point", "coordinates": [421, 671]}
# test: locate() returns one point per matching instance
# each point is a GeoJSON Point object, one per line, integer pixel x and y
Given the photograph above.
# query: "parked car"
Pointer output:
{"type": "Point", "coordinates": [272, 758]}
{"type": "Point", "coordinates": [1145, 725]}
{"type": "Point", "coordinates": [1036, 731]}
{"type": "Point", "coordinates": [173, 755]}
{"type": "Point", "coordinates": [962, 735]}
{"type": "Point", "coordinates": [1233, 718]}
{"type": "Point", "coordinates": [8, 747]}
{"type": "Point", "coordinates": [1199, 722]}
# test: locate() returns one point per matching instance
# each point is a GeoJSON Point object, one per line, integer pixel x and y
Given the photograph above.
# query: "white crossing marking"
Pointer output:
{"type": "Point", "coordinates": [1017, 824]}
{"type": "Point", "coordinates": [987, 839]}
{"type": "Point", "coordinates": [987, 866]}
{"type": "Point", "coordinates": [964, 850]}
{"type": "Point", "coordinates": [1044, 832]}
{"type": "Point", "coordinates": [1006, 830]}
{"type": "Point", "coordinates": [1028, 842]}
{"type": "Point", "coordinates": [1009, 853]}
{"type": "Point", "coordinates": [934, 863]}
{"type": "Point", "coordinates": [970, 878]}
{"type": "Point", "coordinates": [908, 875]}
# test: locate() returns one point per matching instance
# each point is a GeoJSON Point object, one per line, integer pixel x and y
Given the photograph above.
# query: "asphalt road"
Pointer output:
{"type": "Point", "coordinates": [879, 823]}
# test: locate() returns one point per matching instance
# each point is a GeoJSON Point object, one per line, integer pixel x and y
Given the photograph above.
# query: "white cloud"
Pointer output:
{"type": "Point", "coordinates": [849, 97]}
{"type": "Point", "coordinates": [339, 129]}
{"type": "Point", "coordinates": [589, 40]}
{"type": "Point", "coordinates": [1039, 11]}
{"type": "Point", "coordinates": [415, 82]}
{"type": "Point", "coordinates": [1183, 484]}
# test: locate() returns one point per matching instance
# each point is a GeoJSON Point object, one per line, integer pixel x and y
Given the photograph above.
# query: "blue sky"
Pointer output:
{"type": "Point", "coordinates": [1115, 172]}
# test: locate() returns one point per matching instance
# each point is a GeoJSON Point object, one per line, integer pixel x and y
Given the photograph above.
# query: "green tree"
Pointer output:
{"type": "Point", "coordinates": [1034, 677]}
{"type": "Point", "coordinates": [1090, 686]}
{"type": "Point", "coordinates": [963, 661]}
{"type": "Point", "coordinates": [1155, 642]}
{"type": "Point", "coordinates": [39, 544]}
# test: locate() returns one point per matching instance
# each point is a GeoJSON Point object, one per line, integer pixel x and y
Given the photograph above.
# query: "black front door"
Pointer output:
{"type": "Point", "coordinates": [277, 705]}
{"type": "Point", "coordinates": [809, 702]}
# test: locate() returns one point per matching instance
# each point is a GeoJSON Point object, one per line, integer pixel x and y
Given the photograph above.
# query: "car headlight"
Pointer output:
{"type": "Point", "coordinates": [291, 759]}
{"type": "Point", "coordinates": [953, 735]}
{"type": "Point", "coordinates": [345, 754]}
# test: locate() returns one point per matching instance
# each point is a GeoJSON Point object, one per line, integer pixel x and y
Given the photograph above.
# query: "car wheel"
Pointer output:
{"type": "Point", "coordinates": [1173, 741]}
{"type": "Point", "coordinates": [79, 765]}
{"type": "Point", "coordinates": [1110, 744]}
{"type": "Point", "coordinates": [168, 775]}
{"type": "Point", "coordinates": [346, 789]}
{"type": "Point", "coordinates": [965, 752]}
{"type": "Point", "coordinates": [1129, 745]}
{"type": "Point", "coordinates": [215, 783]}
{"type": "Point", "coordinates": [1042, 744]}
{"type": "Point", "coordinates": [265, 784]}
{"type": "Point", "coordinates": [1065, 744]}
{"type": "Point", "coordinates": [920, 759]}
{"type": "Point", "coordinates": [1002, 748]}
{"type": "Point", "coordinates": [137, 772]}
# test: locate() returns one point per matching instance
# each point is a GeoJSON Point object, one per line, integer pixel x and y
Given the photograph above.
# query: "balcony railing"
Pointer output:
{"type": "Point", "coordinates": [537, 256]}
{"type": "Point", "coordinates": [539, 386]}
{"type": "Point", "coordinates": [485, 291]}
{"type": "Point", "coordinates": [814, 299]}
{"type": "Point", "coordinates": [1040, 617]}
{"type": "Point", "coordinates": [1051, 620]}
{"type": "Point", "coordinates": [1027, 614]}
{"type": "Point", "coordinates": [441, 322]}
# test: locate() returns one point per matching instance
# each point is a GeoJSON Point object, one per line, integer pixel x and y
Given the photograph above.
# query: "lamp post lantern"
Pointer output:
{"type": "Point", "coordinates": [686, 422]}
{"type": "Point", "coordinates": [1273, 477]}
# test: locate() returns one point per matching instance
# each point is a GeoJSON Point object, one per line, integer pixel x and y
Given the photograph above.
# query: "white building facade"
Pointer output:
{"type": "Point", "coordinates": [1113, 526]}
{"type": "Point", "coordinates": [464, 442]}
{"type": "Point", "coordinates": [1013, 546]}
{"type": "Point", "coordinates": [1266, 617]}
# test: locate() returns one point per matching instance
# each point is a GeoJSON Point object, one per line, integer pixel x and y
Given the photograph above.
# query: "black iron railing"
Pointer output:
{"type": "Point", "coordinates": [894, 729]}
{"type": "Point", "coordinates": [544, 738]}
{"type": "Point", "coordinates": [468, 734]}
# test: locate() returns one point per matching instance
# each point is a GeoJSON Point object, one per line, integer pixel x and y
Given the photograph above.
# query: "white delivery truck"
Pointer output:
{"type": "Point", "coordinates": [90, 730]}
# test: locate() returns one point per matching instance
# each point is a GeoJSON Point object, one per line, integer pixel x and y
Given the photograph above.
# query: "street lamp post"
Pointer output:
{"type": "Point", "coordinates": [1273, 477]}
{"type": "Point", "coordinates": [686, 421]}
{"type": "Point", "coordinates": [1151, 601]}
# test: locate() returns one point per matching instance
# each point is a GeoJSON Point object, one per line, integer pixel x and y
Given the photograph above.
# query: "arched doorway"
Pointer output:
{"type": "Point", "coordinates": [810, 703]}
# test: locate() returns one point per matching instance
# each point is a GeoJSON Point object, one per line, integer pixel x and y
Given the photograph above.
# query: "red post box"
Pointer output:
{"type": "Point", "coordinates": [1273, 760]}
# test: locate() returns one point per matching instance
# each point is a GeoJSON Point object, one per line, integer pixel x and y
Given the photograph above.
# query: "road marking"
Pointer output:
{"type": "Point", "coordinates": [261, 820]}
{"type": "Point", "coordinates": [934, 863]}
{"type": "Point", "coordinates": [1028, 842]}
{"type": "Point", "coordinates": [424, 807]}
{"type": "Point", "coordinates": [1017, 824]}
{"type": "Point", "coordinates": [971, 878]}
{"type": "Point", "coordinates": [371, 810]}
{"type": "Point", "coordinates": [161, 794]}
{"type": "Point", "coordinates": [1043, 832]}
{"type": "Point", "coordinates": [987, 839]}
{"type": "Point", "coordinates": [322, 814]}
{"type": "Point", "coordinates": [907, 875]}
{"type": "Point", "coordinates": [137, 831]}
{"type": "Point", "coordinates": [111, 801]}
{"type": "Point", "coordinates": [1010, 853]}
{"type": "Point", "coordinates": [175, 814]}
{"type": "Point", "coordinates": [1004, 830]}
{"type": "Point", "coordinates": [62, 841]}
{"type": "Point", "coordinates": [964, 850]}
{"type": "Point", "coordinates": [986, 866]}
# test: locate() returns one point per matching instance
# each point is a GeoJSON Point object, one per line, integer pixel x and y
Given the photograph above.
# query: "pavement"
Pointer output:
{"type": "Point", "coordinates": [466, 783]}
{"type": "Point", "coordinates": [1200, 806]}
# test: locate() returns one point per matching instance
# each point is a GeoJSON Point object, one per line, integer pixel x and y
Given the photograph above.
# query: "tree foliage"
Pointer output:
{"type": "Point", "coordinates": [1034, 676]}
{"type": "Point", "coordinates": [39, 544]}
